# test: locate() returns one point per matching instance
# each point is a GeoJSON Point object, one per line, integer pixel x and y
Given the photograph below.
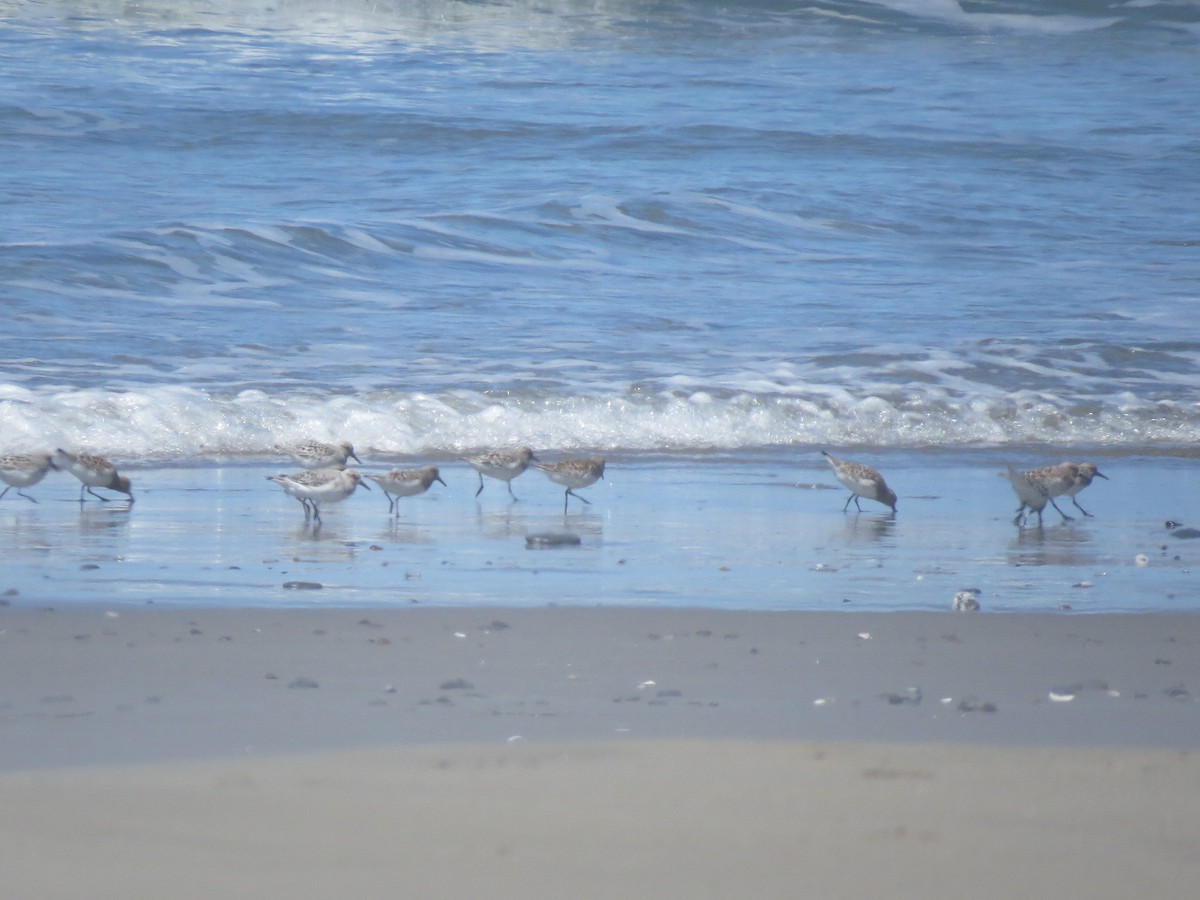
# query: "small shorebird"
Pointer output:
{"type": "Point", "coordinates": [406, 483]}
{"type": "Point", "coordinates": [92, 472]}
{"type": "Point", "coordinates": [319, 455]}
{"type": "Point", "coordinates": [861, 481]}
{"type": "Point", "coordinates": [1085, 474]}
{"type": "Point", "coordinates": [1033, 496]}
{"type": "Point", "coordinates": [1063, 480]}
{"type": "Point", "coordinates": [503, 464]}
{"type": "Point", "coordinates": [312, 487]}
{"type": "Point", "coordinates": [1053, 481]}
{"type": "Point", "coordinates": [22, 470]}
{"type": "Point", "coordinates": [574, 473]}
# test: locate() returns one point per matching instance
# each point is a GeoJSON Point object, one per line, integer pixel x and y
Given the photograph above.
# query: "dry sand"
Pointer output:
{"type": "Point", "coordinates": [571, 752]}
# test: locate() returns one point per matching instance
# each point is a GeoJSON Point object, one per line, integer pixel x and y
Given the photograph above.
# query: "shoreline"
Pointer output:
{"type": "Point", "coordinates": [743, 533]}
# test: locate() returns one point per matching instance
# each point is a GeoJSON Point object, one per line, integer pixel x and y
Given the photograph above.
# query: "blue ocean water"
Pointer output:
{"type": "Point", "coordinates": [664, 231]}
{"type": "Point", "coordinates": [616, 225]}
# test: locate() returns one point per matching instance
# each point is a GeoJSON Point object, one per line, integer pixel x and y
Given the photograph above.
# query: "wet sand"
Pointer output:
{"type": "Point", "coordinates": [751, 531]}
{"type": "Point", "coordinates": [597, 752]}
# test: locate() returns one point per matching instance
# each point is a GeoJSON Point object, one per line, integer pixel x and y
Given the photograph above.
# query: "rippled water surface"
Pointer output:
{"type": "Point", "coordinates": [624, 225]}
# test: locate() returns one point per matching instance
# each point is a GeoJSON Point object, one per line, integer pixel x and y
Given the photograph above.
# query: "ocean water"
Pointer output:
{"type": "Point", "coordinates": [703, 239]}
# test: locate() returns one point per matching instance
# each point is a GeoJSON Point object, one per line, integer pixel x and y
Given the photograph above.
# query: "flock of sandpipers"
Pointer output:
{"type": "Point", "coordinates": [1034, 488]}
{"type": "Point", "coordinates": [326, 479]}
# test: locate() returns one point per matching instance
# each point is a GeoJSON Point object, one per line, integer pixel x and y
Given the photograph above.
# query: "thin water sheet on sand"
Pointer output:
{"type": "Point", "coordinates": [763, 531]}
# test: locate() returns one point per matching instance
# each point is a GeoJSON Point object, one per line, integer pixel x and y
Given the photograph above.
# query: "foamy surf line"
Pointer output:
{"type": "Point", "coordinates": [179, 424]}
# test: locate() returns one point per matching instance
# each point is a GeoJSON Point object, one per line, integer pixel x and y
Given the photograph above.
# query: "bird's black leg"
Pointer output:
{"type": "Point", "coordinates": [1066, 518]}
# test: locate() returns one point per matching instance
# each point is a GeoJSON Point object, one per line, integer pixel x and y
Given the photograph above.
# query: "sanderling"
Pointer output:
{"type": "Point", "coordinates": [312, 487]}
{"type": "Point", "coordinates": [319, 455]}
{"type": "Point", "coordinates": [22, 470]}
{"type": "Point", "coordinates": [861, 481]}
{"type": "Point", "coordinates": [574, 473]}
{"type": "Point", "coordinates": [406, 483]}
{"type": "Point", "coordinates": [1053, 481]}
{"type": "Point", "coordinates": [1033, 496]}
{"type": "Point", "coordinates": [503, 464]}
{"type": "Point", "coordinates": [1085, 473]}
{"type": "Point", "coordinates": [1065, 479]}
{"type": "Point", "coordinates": [92, 471]}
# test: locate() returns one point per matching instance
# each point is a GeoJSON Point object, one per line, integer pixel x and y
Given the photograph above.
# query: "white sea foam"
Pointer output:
{"type": "Point", "coordinates": [171, 423]}
{"type": "Point", "coordinates": [877, 239]}
{"type": "Point", "coordinates": [953, 12]}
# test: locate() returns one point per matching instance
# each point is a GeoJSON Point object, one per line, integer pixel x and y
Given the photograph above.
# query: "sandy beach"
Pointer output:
{"type": "Point", "coordinates": [597, 753]}
{"type": "Point", "coordinates": [673, 262]}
